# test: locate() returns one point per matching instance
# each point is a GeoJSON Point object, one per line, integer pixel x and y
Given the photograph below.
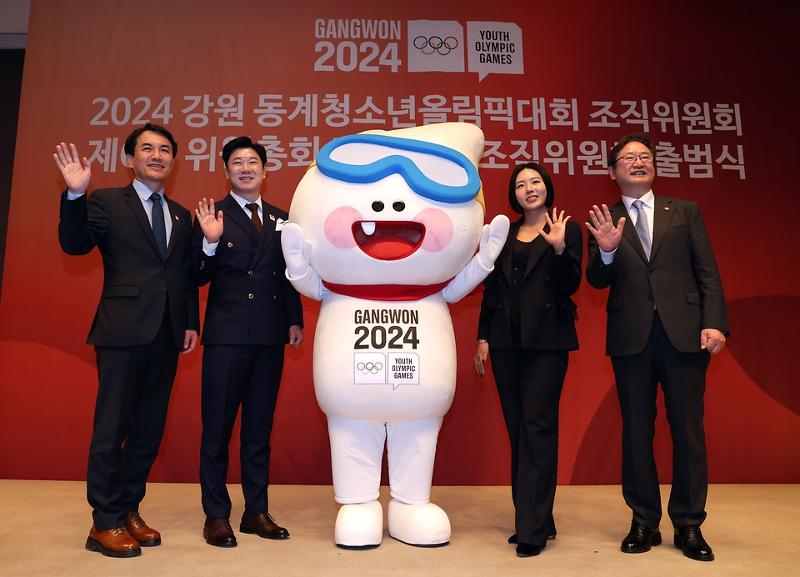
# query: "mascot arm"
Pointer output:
{"type": "Point", "coordinates": [493, 238]}
{"type": "Point", "coordinates": [296, 253]}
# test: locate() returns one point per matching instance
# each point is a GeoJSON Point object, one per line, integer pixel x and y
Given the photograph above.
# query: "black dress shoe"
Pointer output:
{"type": "Point", "coordinates": [527, 550]}
{"type": "Point", "coordinates": [263, 525]}
{"type": "Point", "coordinates": [690, 540]}
{"type": "Point", "coordinates": [218, 532]}
{"type": "Point", "coordinates": [640, 539]}
{"type": "Point", "coordinates": [513, 539]}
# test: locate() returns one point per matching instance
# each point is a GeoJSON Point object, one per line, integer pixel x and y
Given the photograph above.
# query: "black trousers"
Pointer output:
{"type": "Point", "coordinates": [130, 411]}
{"type": "Point", "coordinates": [529, 384]}
{"type": "Point", "coordinates": [234, 375]}
{"type": "Point", "coordinates": [682, 378]}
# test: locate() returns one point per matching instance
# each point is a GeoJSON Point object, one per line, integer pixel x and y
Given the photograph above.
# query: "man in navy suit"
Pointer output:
{"type": "Point", "coordinates": [252, 312]}
{"type": "Point", "coordinates": [666, 316]}
{"type": "Point", "coordinates": [147, 314]}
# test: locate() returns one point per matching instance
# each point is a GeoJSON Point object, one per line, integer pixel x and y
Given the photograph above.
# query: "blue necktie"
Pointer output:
{"type": "Point", "coordinates": [159, 230]}
{"type": "Point", "coordinates": [641, 226]}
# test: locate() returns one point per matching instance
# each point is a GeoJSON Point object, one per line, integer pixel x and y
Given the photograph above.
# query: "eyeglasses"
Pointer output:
{"type": "Point", "coordinates": [630, 158]}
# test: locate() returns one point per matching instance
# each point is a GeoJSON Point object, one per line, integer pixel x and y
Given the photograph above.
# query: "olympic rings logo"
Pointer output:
{"type": "Point", "coordinates": [370, 367]}
{"type": "Point", "coordinates": [436, 44]}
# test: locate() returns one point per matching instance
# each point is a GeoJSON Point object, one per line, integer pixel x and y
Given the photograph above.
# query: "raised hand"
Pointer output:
{"type": "Point", "coordinates": [493, 238]}
{"type": "Point", "coordinates": [75, 170]}
{"type": "Point", "coordinates": [296, 250]}
{"type": "Point", "coordinates": [210, 224]}
{"type": "Point", "coordinates": [558, 229]}
{"type": "Point", "coordinates": [602, 228]}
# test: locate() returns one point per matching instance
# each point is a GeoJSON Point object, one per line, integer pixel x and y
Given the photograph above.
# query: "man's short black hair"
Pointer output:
{"type": "Point", "coordinates": [243, 142]}
{"type": "Point", "coordinates": [133, 137]}
{"type": "Point", "coordinates": [634, 137]}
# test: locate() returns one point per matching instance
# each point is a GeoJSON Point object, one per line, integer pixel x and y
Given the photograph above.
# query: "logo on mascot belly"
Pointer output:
{"type": "Point", "coordinates": [386, 329]}
{"type": "Point", "coordinates": [388, 239]}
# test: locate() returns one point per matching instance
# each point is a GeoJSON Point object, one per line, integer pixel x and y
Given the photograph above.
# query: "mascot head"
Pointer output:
{"type": "Point", "coordinates": [400, 207]}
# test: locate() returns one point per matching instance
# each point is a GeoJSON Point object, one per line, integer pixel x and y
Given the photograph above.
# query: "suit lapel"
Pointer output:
{"type": "Point", "coordinates": [539, 247]}
{"type": "Point", "coordinates": [238, 215]}
{"type": "Point", "coordinates": [269, 222]}
{"type": "Point", "coordinates": [178, 226]}
{"type": "Point", "coordinates": [662, 216]}
{"type": "Point", "coordinates": [629, 231]}
{"type": "Point", "coordinates": [135, 205]}
{"type": "Point", "coordinates": [508, 249]}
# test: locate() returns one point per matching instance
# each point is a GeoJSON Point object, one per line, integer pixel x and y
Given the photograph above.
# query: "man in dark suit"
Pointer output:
{"type": "Point", "coordinates": [666, 315]}
{"type": "Point", "coordinates": [252, 312]}
{"type": "Point", "coordinates": [147, 314]}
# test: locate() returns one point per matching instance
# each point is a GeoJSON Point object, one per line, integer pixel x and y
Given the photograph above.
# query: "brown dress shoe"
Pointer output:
{"type": "Point", "coordinates": [115, 542]}
{"type": "Point", "coordinates": [263, 525]}
{"type": "Point", "coordinates": [218, 532]}
{"type": "Point", "coordinates": [146, 536]}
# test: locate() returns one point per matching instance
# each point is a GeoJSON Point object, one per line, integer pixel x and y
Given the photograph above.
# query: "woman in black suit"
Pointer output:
{"type": "Point", "coordinates": [527, 326]}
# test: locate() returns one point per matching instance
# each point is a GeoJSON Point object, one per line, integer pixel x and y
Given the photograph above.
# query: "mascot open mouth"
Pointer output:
{"type": "Point", "coordinates": [388, 239]}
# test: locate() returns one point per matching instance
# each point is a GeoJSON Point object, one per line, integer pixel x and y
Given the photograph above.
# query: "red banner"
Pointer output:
{"type": "Point", "coordinates": [557, 83]}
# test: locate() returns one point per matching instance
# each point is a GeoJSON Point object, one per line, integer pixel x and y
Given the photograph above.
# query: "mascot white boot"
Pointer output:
{"type": "Point", "coordinates": [385, 229]}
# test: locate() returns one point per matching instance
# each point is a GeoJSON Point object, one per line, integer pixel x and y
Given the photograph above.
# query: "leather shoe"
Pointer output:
{"type": "Point", "coordinates": [146, 536]}
{"type": "Point", "coordinates": [115, 542]}
{"type": "Point", "coordinates": [513, 539]}
{"type": "Point", "coordinates": [640, 538]}
{"type": "Point", "coordinates": [263, 525]}
{"type": "Point", "coordinates": [527, 550]}
{"type": "Point", "coordinates": [690, 540]}
{"type": "Point", "coordinates": [218, 532]}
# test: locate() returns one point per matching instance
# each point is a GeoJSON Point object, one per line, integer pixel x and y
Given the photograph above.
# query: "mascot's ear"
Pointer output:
{"type": "Point", "coordinates": [461, 136]}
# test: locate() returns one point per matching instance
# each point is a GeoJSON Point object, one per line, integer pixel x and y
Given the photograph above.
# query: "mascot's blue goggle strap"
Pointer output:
{"type": "Point", "coordinates": [393, 163]}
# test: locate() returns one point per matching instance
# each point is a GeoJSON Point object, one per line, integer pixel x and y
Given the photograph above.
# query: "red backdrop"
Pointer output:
{"type": "Point", "coordinates": [709, 82]}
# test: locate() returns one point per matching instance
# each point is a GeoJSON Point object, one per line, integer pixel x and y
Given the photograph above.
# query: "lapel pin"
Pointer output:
{"type": "Point", "coordinates": [272, 217]}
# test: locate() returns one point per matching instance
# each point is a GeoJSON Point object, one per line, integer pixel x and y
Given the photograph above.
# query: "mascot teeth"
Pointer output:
{"type": "Point", "coordinates": [368, 227]}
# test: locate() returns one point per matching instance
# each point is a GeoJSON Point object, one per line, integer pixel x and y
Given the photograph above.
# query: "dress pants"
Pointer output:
{"type": "Point", "coordinates": [233, 375]}
{"type": "Point", "coordinates": [529, 384]}
{"type": "Point", "coordinates": [130, 411]}
{"type": "Point", "coordinates": [682, 378]}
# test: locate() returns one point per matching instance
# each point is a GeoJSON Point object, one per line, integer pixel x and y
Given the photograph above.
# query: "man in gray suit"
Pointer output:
{"type": "Point", "coordinates": [666, 315]}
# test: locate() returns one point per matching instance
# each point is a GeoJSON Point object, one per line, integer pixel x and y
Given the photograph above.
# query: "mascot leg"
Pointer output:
{"type": "Point", "coordinates": [413, 519]}
{"type": "Point", "coordinates": [356, 453]}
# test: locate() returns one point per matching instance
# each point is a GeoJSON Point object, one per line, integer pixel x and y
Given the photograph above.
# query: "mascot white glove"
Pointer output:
{"type": "Point", "coordinates": [296, 250]}
{"type": "Point", "coordinates": [493, 238]}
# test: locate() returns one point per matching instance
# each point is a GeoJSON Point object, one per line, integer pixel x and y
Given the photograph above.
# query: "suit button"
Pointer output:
{"type": "Point", "coordinates": [547, 279]}
{"type": "Point", "coordinates": [273, 273]}
{"type": "Point", "coordinates": [250, 273]}
{"type": "Point", "coordinates": [548, 306]}
{"type": "Point", "coordinates": [163, 291]}
{"type": "Point", "coordinates": [202, 264]}
{"type": "Point", "coordinates": [275, 297]}
{"type": "Point", "coordinates": [230, 244]}
{"type": "Point", "coordinates": [251, 296]}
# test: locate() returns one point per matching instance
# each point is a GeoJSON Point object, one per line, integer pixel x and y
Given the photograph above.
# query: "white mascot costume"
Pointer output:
{"type": "Point", "coordinates": [385, 229]}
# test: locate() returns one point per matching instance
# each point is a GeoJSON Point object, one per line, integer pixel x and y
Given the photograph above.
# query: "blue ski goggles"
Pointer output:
{"type": "Point", "coordinates": [431, 170]}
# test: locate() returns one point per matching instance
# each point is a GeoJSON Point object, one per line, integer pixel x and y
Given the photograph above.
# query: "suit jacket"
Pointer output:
{"type": "Point", "coordinates": [681, 279]}
{"type": "Point", "coordinates": [138, 284]}
{"type": "Point", "coordinates": [250, 301]}
{"type": "Point", "coordinates": [546, 309]}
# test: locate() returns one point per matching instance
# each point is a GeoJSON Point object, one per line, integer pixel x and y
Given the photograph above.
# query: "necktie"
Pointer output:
{"type": "Point", "coordinates": [641, 227]}
{"type": "Point", "coordinates": [253, 208]}
{"type": "Point", "coordinates": [159, 230]}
